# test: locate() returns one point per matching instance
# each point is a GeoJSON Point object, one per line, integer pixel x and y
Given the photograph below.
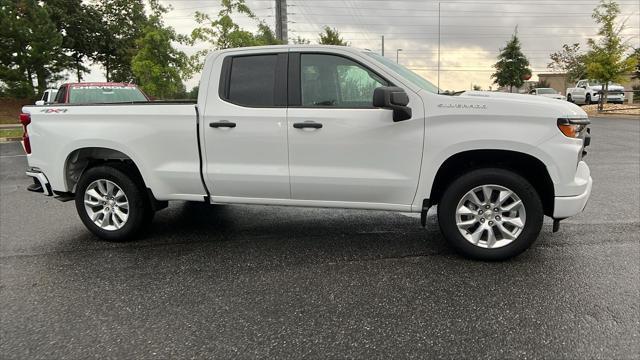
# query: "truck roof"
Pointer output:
{"type": "Point", "coordinates": [78, 84]}
{"type": "Point", "coordinates": [295, 46]}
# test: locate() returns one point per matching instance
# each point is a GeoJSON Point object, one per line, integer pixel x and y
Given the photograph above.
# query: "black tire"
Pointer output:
{"type": "Point", "coordinates": [587, 99]}
{"type": "Point", "coordinates": [465, 183]}
{"type": "Point", "coordinates": [140, 212]}
{"type": "Point", "coordinates": [569, 99]}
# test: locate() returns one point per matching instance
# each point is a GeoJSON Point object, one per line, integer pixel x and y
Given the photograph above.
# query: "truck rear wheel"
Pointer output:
{"type": "Point", "coordinates": [490, 214]}
{"type": "Point", "coordinates": [111, 202]}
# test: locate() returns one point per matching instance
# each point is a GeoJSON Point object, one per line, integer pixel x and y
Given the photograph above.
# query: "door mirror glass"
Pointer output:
{"type": "Point", "coordinates": [393, 98]}
{"type": "Point", "coordinates": [40, 102]}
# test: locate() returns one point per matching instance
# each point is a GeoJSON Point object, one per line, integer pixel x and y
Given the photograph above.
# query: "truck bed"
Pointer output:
{"type": "Point", "coordinates": [160, 137]}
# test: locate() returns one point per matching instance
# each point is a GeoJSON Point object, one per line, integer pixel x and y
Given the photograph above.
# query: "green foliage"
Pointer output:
{"type": "Point", "coordinates": [223, 33]}
{"type": "Point", "coordinates": [512, 65]}
{"type": "Point", "coordinates": [158, 66]}
{"type": "Point", "coordinates": [300, 41]}
{"type": "Point", "coordinates": [571, 61]}
{"type": "Point", "coordinates": [477, 87]}
{"type": "Point", "coordinates": [80, 26]}
{"type": "Point", "coordinates": [636, 55]}
{"type": "Point", "coordinates": [193, 94]}
{"type": "Point", "coordinates": [606, 60]}
{"type": "Point", "coordinates": [331, 36]}
{"type": "Point", "coordinates": [123, 23]}
{"type": "Point", "coordinates": [30, 47]}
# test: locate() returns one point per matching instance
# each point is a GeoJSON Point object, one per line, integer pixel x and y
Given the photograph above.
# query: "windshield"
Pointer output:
{"type": "Point", "coordinates": [91, 94]}
{"type": "Point", "coordinates": [547, 91]}
{"type": "Point", "coordinates": [403, 71]}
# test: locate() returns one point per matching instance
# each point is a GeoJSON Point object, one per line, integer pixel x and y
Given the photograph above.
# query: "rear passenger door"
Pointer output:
{"type": "Point", "coordinates": [244, 125]}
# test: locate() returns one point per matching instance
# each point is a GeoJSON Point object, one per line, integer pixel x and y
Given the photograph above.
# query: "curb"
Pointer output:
{"type": "Point", "coordinates": [10, 139]}
{"type": "Point", "coordinates": [609, 115]}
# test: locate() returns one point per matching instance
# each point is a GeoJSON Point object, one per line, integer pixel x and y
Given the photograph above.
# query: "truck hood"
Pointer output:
{"type": "Point", "coordinates": [611, 87]}
{"type": "Point", "coordinates": [520, 104]}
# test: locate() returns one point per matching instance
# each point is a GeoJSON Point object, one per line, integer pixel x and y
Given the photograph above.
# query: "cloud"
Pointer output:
{"type": "Point", "coordinates": [471, 31]}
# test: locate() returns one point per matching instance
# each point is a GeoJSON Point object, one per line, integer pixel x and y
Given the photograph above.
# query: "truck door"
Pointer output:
{"type": "Point", "coordinates": [244, 127]}
{"type": "Point", "coordinates": [341, 148]}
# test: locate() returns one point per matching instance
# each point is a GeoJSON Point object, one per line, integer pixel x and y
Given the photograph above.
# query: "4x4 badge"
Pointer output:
{"type": "Point", "coordinates": [53, 110]}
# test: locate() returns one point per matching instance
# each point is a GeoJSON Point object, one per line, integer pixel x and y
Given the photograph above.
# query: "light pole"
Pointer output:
{"type": "Point", "coordinates": [397, 54]}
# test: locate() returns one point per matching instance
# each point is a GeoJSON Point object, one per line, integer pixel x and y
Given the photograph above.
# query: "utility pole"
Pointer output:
{"type": "Point", "coordinates": [438, 47]}
{"type": "Point", "coordinates": [281, 21]}
{"type": "Point", "coordinates": [398, 55]}
{"type": "Point", "coordinates": [382, 45]}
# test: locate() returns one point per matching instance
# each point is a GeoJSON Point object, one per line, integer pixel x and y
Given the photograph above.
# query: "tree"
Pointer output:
{"type": "Point", "coordinates": [331, 36]}
{"type": "Point", "coordinates": [571, 61]}
{"type": "Point", "coordinates": [223, 33]}
{"type": "Point", "coordinates": [477, 87]}
{"type": "Point", "coordinates": [606, 61]}
{"type": "Point", "coordinates": [636, 72]}
{"type": "Point", "coordinates": [300, 40]}
{"type": "Point", "coordinates": [123, 23]}
{"type": "Point", "coordinates": [30, 47]}
{"type": "Point", "coordinates": [79, 25]}
{"type": "Point", "coordinates": [158, 66]}
{"type": "Point", "coordinates": [512, 66]}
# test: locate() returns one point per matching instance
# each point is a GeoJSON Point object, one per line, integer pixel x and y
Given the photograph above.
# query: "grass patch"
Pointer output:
{"type": "Point", "coordinates": [10, 133]}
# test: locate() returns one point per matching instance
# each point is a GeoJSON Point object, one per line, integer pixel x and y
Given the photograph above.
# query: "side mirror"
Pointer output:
{"type": "Point", "coordinates": [393, 98]}
{"type": "Point", "coordinates": [40, 102]}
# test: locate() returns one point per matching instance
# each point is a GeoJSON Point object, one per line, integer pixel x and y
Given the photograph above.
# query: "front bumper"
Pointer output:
{"type": "Point", "coordinates": [610, 98]}
{"type": "Point", "coordinates": [567, 206]}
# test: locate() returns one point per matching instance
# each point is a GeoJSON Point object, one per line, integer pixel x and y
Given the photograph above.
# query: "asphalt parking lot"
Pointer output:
{"type": "Point", "coordinates": [276, 282]}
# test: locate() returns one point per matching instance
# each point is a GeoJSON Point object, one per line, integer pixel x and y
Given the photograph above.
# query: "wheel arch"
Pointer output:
{"type": "Point", "coordinates": [528, 166]}
{"type": "Point", "coordinates": [81, 159]}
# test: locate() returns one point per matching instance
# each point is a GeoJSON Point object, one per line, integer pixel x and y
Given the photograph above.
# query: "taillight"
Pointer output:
{"type": "Point", "coordinates": [25, 119]}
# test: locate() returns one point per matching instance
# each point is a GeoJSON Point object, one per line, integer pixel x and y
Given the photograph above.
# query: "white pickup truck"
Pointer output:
{"type": "Point", "coordinates": [320, 126]}
{"type": "Point", "coordinates": [588, 92]}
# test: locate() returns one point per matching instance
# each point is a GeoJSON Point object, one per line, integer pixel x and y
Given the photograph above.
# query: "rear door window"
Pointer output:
{"type": "Point", "coordinates": [252, 80]}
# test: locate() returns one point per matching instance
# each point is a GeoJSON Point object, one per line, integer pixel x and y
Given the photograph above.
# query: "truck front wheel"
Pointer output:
{"type": "Point", "coordinates": [490, 214]}
{"type": "Point", "coordinates": [111, 202]}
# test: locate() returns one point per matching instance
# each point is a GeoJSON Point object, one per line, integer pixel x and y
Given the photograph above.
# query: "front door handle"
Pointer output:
{"type": "Point", "coordinates": [307, 124]}
{"type": "Point", "coordinates": [219, 124]}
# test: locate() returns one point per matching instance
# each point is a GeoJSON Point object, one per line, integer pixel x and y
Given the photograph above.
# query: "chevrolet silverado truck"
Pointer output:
{"type": "Point", "coordinates": [320, 126]}
{"type": "Point", "coordinates": [588, 92]}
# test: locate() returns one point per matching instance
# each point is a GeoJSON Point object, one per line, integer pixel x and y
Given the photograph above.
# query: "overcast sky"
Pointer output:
{"type": "Point", "coordinates": [472, 31]}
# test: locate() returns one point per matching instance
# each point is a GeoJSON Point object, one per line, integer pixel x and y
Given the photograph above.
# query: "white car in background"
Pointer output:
{"type": "Point", "coordinates": [587, 92]}
{"type": "Point", "coordinates": [47, 97]}
{"type": "Point", "coordinates": [548, 92]}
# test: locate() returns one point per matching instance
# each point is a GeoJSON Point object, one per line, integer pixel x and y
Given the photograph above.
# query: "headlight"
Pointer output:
{"type": "Point", "coordinates": [573, 127]}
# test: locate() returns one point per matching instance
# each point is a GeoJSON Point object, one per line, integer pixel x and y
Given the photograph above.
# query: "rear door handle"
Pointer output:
{"type": "Point", "coordinates": [307, 124]}
{"type": "Point", "coordinates": [219, 124]}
